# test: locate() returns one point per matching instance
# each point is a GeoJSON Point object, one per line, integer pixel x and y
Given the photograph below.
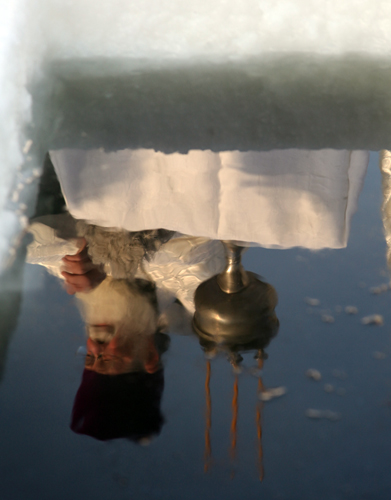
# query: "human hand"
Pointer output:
{"type": "Point", "coordinates": [80, 273]}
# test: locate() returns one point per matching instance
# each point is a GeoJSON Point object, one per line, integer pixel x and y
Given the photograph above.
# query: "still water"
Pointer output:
{"type": "Point", "coordinates": [110, 389]}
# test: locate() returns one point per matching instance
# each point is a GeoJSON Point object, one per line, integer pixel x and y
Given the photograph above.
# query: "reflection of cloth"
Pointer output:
{"type": "Point", "coordinates": [276, 199]}
{"type": "Point", "coordinates": [47, 249]}
{"type": "Point", "coordinates": [385, 168]}
{"type": "Point", "coordinates": [182, 264]}
{"type": "Point", "coordinates": [177, 268]}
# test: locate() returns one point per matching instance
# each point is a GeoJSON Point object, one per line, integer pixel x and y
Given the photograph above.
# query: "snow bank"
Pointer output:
{"type": "Point", "coordinates": [169, 35]}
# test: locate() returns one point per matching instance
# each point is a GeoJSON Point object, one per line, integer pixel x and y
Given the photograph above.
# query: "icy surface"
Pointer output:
{"type": "Point", "coordinates": [172, 34]}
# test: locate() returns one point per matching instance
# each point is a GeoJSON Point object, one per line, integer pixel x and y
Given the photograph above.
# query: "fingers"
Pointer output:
{"type": "Point", "coordinates": [80, 256]}
{"type": "Point", "coordinates": [77, 267]}
{"type": "Point", "coordinates": [82, 252]}
{"type": "Point", "coordinates": [80, 273]}
{"type": "Point", "coordinates": [83, 282]}
{"type": "Point", "coordinates": [79, 263]}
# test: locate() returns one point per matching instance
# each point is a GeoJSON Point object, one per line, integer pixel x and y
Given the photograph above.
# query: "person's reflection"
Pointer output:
{"type": "Point", "coordinates": [123, 380]}
{"type": "Point", "coordinates": [124, 284]}
{"type": "Point", "coordinates": [121, 406]}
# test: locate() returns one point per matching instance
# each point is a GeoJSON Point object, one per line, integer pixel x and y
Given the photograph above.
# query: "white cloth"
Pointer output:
{"type": "Point", "coordinates": [276, 199]}
{"type": "Point", "coordinates": [47, 249]}
{"type": "Point", "coordinates": [177, 268]}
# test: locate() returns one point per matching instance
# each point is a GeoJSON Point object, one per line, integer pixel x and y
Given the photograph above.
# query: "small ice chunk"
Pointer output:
{"type": "Point", "coordinates": [15, 196]}
{"type": "Point", "coordinates": [36, 172]}
{"type": "Point", "coordinates": [327, 318]}
{"type": "Point", "coordinates": [328, 388]}
{"type": "Point", "coordinates": [377, 290]}
{"type": "Point", "coordinates": [332, 415]}
{"type": "Point", "coordinates": [272, 393]}
{"type": "Point", "coordinates": [312, 413]}
{"type": "Point", "coordinates": [312, 302]}
{"type": "Point", "coordinates": [314, 374]}
{"type": "Point", "coordinates": [27, 146]}
{"type": "Point", "coordinates": [373, 319]}
{"type": "Point", "coordinates": [379, 355]}
{"type": "Point", "coordinates": [351, 310]}
{"type": "Point", "coordinates": [318, 414]}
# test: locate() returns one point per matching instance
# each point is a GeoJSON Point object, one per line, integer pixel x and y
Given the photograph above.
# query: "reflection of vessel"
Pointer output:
{"type": "Point", "coordinates": [234, 312]}
{"type": "Point", "coordinates": [235, 309]}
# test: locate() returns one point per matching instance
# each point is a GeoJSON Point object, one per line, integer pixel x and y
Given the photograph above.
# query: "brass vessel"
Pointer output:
{"type": "Point", "coordinates": [234, 310]}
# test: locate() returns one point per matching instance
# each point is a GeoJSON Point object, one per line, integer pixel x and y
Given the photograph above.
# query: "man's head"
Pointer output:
{"type": "Point", "coordinates": [121, 319]}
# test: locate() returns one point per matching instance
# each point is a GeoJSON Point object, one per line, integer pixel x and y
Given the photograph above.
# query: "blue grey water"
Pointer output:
{"type": "Point", "coordinates": [304, 458]}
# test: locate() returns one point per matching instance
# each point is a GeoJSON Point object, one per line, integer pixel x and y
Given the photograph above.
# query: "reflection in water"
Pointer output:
{"type": "Point", "coordinates": [120, 406]}
{"type": "Point", "coordinates": [10, 301]}
{"type": "Point", "coordinates": [125, 284]}
{"type": "Point", "coordinates": [128, 276]}
{"type": "Point", "coordinates": [280, 198]}
{"type": "Point", "coordinates": [235, 310]}
{"type": "Point", "coordinates": [122, 382]}
{"type": "Point", "coordinates": [235, 313]}
{"type": "Point", "coordinates": [385, 168]}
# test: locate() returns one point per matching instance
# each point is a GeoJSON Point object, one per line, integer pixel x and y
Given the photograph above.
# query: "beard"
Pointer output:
{"type": "Point", "coordinates": [117, 307]}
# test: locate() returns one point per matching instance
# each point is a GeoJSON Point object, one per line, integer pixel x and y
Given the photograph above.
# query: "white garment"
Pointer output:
{"type": "Point", "coordinates": [276, 199]}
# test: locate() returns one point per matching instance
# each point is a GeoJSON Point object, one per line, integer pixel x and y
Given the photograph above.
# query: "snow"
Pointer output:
{"type": "Point", "coordinates": [258, 40]}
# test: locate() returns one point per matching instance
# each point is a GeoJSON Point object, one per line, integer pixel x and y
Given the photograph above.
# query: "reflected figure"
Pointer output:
{"type": "Point", "coordinates": [119, 406]}
{"type": "Point", "coordinates": [124, 284]}
{"type": "Point", "coordinates": [123, 381]}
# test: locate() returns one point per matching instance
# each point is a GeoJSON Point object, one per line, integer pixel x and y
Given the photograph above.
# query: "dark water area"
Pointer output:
{"type": "Point", "coordinates": [324, 432]}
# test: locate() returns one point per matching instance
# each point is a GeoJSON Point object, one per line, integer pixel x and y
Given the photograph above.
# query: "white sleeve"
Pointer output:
{"type": "Point", "coordinates": [47, 249]}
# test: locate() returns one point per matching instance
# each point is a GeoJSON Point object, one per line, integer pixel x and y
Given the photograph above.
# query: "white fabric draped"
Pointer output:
{"type": "Point", "coordinates": [277, 199]}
